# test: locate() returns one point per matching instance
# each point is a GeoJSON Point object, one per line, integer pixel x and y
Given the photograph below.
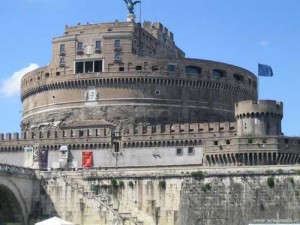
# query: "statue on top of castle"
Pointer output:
{"type": "Point", "coordinates": [130, 5]}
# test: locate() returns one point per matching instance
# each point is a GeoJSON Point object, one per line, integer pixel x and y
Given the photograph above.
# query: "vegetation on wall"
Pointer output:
{"type": "Point", "coordinates": [131, 184]}
{"type": "Point", "coordinates": [162, 184]}
{"type": "Point", "coordinates": [271, 182]}
{"type": "Point", "coordinates": [198, 175]}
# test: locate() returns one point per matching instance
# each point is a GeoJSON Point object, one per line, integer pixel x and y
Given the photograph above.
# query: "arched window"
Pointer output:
{"type": "Point", "coordinates": [193, 70]}
{"type": "Point", "coordinates": [238, 77]}
{"type": "Point", "coordinates": [219, 73]}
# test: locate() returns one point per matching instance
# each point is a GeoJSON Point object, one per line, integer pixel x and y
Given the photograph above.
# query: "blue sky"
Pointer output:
{"type": "Point", "coordinates": [237, 32]}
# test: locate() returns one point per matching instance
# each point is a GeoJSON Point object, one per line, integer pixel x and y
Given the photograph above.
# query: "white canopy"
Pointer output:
{"type": "Point", "coordinates": [54, 221]}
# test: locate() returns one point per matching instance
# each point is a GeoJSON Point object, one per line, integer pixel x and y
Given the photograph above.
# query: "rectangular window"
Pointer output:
{"type": "Point", "coordinates": [118, 56]}
{"type": "Point", "coordinates": [79, 67]}
{"type": "Point", "coordinates": [88, 67]}
{"type": "Point", "coordinates": [179, 151]}
{"type": "Point", "coordinates": [191, 151]}
{"type": "Point", "coordinates": [79, 46]}
{"type": "Point", "coordinates": [62, 48]}
{"type": "Point", "coordinates": [117, 43]}
{"type": "Point", "coordinates": [98, 45]}
{"type": "Point", "coordinates": [98, 66]}
{"type": "Point", "coordinates": [216, 143]}
{"type": "Point", "coordinates": [227, 142]}
{"type": "Point", "coordinates": [171, 68]}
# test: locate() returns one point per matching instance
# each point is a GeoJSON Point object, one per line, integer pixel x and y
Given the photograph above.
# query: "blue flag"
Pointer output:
{"type": "Point", "coordinates": [265, 70]}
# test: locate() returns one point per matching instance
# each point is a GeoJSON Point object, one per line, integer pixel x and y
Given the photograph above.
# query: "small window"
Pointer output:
{"type": "Point", "coordinates": [154, 68]}
{"type": "Point", "coordinates": [171, 68]}
{"type": "Point", "coordinates": [98, 45]}
{"type": "Point", "coordinates": [238, 77]}
{"type": "Point", "coordinates": [121, 69]}
{"type": "Point", "coordinates": [264, 141]}
{"type": "Point", "coordinates": [286, 141]}
{"type": "Point", "coordinates": [191, 150]}
{"type": "Point", "coordinates": [250, 141]}
{"type": "Point", "coordinates": [62, 48]}
{"type": "Point", "coordinates": [227, 142]}
{"type": "Point", "coordinates": [118, 56]}
{"type": "Point", "coordinates": [116, 146]}
{"type": "Point", "coordinates": [79, 46]}
{"type": "Point", "coordinates": [249, 81]}
{"type": "Point", "coordinates": [179, 151]}
{"type": "Point", "coordinates": [62, 62]}
{"type": "Point", "coordinates": [47, 75]}
{"type": "Point", "coordinates": [138, 68]}
{"type": "Point", "coordinates": [117, 43]}
{"type": "Point", "coordinates": [57, 73]}
{"type": "Point", "coordinates": [193, 70]}
{"type": "Point", "coordinates": [219, 73]}
{"type": "Point", "coordinates": [216, 143]}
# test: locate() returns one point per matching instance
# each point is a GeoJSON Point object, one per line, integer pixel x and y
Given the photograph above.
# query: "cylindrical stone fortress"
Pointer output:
{"type": "Point", "coordinates": [122, 73]}
{"type": "Point", "coordinates": [259, 118]}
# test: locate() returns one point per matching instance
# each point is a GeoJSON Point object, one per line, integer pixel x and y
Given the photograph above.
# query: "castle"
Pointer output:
{"type": "Point", "coordinates": [126, 92]}
{"type": "Point", "coordinates": [122, 100]}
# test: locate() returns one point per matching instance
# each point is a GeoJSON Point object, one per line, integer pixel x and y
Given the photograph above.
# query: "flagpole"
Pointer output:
{"type": "Point", "coordinates": [141, 12]}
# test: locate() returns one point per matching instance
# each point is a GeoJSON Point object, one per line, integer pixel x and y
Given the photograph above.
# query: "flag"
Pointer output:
{"type": "Point", "coordinates": [87, 159]}
{"type": "Point", "coordinates": [265, 70]}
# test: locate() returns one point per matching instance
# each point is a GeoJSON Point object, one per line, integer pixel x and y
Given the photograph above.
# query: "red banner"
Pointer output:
{"type": "Point", "coordinates": [87, 159]}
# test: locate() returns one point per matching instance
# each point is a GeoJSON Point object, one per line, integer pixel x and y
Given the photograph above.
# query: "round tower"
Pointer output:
{"type": "Point", "coordinates": [259, 118]}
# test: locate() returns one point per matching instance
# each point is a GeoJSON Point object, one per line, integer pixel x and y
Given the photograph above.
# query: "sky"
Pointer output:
{"type": "Point", "coordinates": [241, 33]}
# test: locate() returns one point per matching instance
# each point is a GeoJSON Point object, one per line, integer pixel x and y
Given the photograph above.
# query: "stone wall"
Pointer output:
{"type": "Point", "coordinates": [173, 196]}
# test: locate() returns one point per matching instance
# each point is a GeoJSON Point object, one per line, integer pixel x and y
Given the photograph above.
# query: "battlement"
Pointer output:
{"type": "Point", "coordinates": [131, 131]}
{"type": "Point", "coordinates": [258, 108]}
{"type": "Point", "coordinates": [158, 27]}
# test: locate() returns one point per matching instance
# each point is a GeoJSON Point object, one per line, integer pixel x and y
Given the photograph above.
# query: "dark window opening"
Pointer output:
{"type": "Point", "coordinates": [138, 68]}
{"type": "Point", "coordinates": [238, 77]}
{"type": "Point", "coordinates": [193, 70]}
{"type": "Point", "coordinates": [171, 68]}
{"type": "Point", "coordinates": [219, 73]}
{"type": "Point", "coordinates": [88, 66]}
{"type": "Point", "coordinates": [179, 151]}
{"type": "Point", "coordinates": [57, 73]}
{"type": "Point", "coordinates": [116, 146]}
{"type": "Point", "coordinates": [249, 80]}
{"type": "Point", "coordinates": [250, 141]}
{"type": "Point", "coordinates": [191, 151]}
{"type": "Point", "coordinates": [227, 142]}
{"type": "Point", "coordinates": [154, 68]}
{"type": "Point", "coordinates": [121, 68]}
{"type": "Point", "coordinates": [79, 67]}
{"type": "Point", "coordinates": [286, 141]}
{"type": "Point", "coordinates": [98, 66]}
{"type": "Point", "coordinates": [216, 143]}
{"type": "Point", "coordinates": [47, 75]}
{"type": "Point", "coordinates": [264, 141]}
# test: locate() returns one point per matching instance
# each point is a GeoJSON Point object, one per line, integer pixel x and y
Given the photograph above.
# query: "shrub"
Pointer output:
{"type": "Point", "coordinates": [198, 175]}
{"type": "Point", "coordinates": [121, 184]}
{"type": "Point", "coordinates": [131, 184]}
{"type": "Point", "coordinates": [114, 183]}
{"type": "Point", "coordinates": [298, 172]}
{"type": "Point", "coordinates": [162, 184]}
{"type": "Point", "coordinates": [207, 187]}
{"type": "Point", "coordinates": [271, 182]}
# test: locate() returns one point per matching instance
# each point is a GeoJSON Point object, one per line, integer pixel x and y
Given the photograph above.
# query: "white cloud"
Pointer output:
{"type": "Point", "coordinates": [11, 86]}
{"type": "Point", "coordinates": [264, 43]}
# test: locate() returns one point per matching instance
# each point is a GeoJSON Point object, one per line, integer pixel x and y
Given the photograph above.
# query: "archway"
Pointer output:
{"type": "Point", "coordinates": [12, 205]}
